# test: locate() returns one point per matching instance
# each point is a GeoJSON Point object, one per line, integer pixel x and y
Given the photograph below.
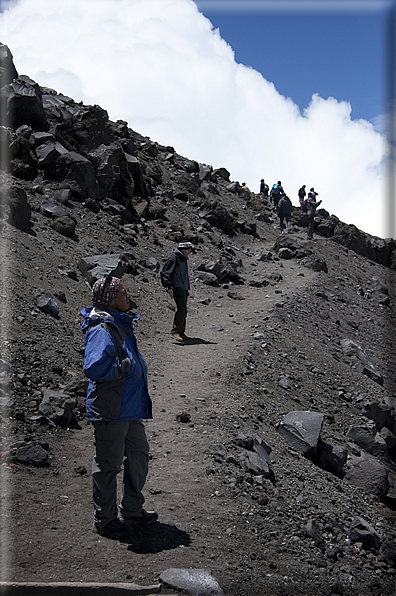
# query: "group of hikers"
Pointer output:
{"type": "Point", "coordinates": [117, 396]}
{"type": "Point", "coordinates": [283, 206]}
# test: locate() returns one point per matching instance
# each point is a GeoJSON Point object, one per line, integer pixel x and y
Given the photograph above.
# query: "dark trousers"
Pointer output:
{"type": "Point", "coordinates": [287, 218]}
{"type": "Point", "coordinates": [179, 322]}
{"type": "Point", "coordinates": [311, 224]}
{"type": "Point", "coordinates": [119, 444]}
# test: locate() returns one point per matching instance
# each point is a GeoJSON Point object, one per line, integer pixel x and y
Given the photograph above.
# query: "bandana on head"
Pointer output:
{"type": "Point", "coordinates": [105, 290]}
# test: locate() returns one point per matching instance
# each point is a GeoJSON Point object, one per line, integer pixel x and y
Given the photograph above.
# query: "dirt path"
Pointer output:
{"type": "Point", "coordinates": [198, 523]}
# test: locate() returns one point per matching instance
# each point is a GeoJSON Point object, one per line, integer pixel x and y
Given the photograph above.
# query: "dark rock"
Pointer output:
{"type": "Point", "coordinates": [366, 439]}
{"type": "Point", "coordinates": [21, 102]}
{"type": "Point", "coordinates": [66, 226]}
{"type": "Point", "coordinates": [222, 173]}
{"type": "Point", "coordinates": [361, 531]}
{"type": "Point", "coordinates": [63, 196]}
{"type": "Point", "coordinates": [357, 356]}
{"type": "Point", "coordinates": [331, 457]}
{"type": "Point", "coordinates": [367, 473]}
{"type": "Point", "coordinates": [301, 429]}
{"type": "Point", "coordinates": [286, 253]}
{"type": "Point", "coordinates": [183, 417]}
{"type": "Point", "coordinates": [204, 172]}
{"type": "Point", "coordinates": [32, 453]}
{"type": "Point", "coordinates": [8, 71]}
{"type": "Point", "coordinates": [46, 304]}
{"type": "Point", "coordinates": [219, 216]}
{"type": "Point", "coordinates": [372, 248]}
{"type": "Point", "coordinates": [88, 129]}
{"type": "Point", "coordinates": [48, 153]}
{"type": "Point", "coordinates": [265, 256]}
{"type": "Point", "coordinates": [57, 406]}
{"type": "Point", "coordinates": [234, 188]}
{"type": "Point", "coordinates": [337, 587]}
{"type": "Point", "coordinates": [51, 210]}
{"type": "Point", "coordinates": [314, 532]}
{"type": "Point", "coordinates": [257, 461]}
{"type": "Point", "coordinates": [14, 208]}
{"type": "Point", "coordinates": [314, 264]}
{"type": "Point", "coordinates": [235, 296]}
{"type": "Point", "coordinates": [99, 266]}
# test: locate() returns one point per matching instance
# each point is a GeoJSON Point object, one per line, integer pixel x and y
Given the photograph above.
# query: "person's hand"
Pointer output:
{"type": "Point", "coordinates": [125, 365]}
{"type": "Point", "coordinates": [170, 292]}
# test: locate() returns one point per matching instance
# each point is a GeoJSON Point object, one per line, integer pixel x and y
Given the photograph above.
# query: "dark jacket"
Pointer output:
{"type": "Point", "coordinates": [284, 207]}
{"type": "Point", "coordinates": [175, 271]}
{"type": "Point", "coordinates": [117, 389]}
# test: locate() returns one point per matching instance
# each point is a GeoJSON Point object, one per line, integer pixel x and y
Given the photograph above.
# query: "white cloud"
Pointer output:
{"type": "Point", "coordinates": [160, 65]}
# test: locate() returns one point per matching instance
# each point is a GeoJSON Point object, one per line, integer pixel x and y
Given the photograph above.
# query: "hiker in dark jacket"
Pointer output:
{"type": "Point", "coordinates": [312, 205]}
{"type": "Point", "coordinates": [117, 401]}
{"type": "Point", "coordinates": [264, 188]}
{"type": "Point", "coordinates": [175, 279]}
{"type": "Point", "coordinates": [301, 196]}
{"type": "Point", "coordinates": [284, 211]}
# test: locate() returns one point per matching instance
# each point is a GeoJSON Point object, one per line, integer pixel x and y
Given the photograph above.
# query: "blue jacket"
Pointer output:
{"type": "Point", "coordinates": [113, 394]}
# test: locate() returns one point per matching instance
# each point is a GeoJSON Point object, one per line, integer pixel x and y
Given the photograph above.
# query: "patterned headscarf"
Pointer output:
{"type": "Point", "coordinates": [105, 290]}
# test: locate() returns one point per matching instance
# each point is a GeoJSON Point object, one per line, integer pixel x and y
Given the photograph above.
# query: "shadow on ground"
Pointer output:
{"type": "Point", "coordinates": [156, 538]}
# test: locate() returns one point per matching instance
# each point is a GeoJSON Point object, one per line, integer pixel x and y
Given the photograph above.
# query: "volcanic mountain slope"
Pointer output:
{"type": "Point", "coordinates": [279, 325]}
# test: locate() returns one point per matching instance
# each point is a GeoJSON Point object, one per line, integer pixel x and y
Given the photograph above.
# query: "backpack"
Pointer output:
{"type": "Point", "coordinates": [304, 206]}
{"type": "Point", "coordinates": [162, 275]}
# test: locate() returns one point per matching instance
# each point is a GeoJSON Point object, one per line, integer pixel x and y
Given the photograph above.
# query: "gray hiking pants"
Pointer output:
{"type": "Point", "coordinates": [311, 224]}
{"type": "Point", "coordinates": [114, 441]}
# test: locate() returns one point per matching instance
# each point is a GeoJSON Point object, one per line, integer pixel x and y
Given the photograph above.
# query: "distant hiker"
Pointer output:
{"type": "Point", "coordinates": [174, 277]}
{"type": "Point", "coordinates": [312, 193]}
{"type": "Point", "coordinates": [312, 205]}
{"type": "Point", "coordinates": [264, 188]}
{"type": "Point", "coordinates": [284, 211]}
{"type": "Point", "coordinates": [245, 189]}
{"type": "Point", "coordinates": [301, 197]}
{"type": "Point", "coordinates": [276, 193]}
{"type": "Point", "coordinates": [117, 401]}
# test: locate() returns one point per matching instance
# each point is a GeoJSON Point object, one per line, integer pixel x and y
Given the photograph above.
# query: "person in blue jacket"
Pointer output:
{"type": "Point", "coordinates": [117, 401]}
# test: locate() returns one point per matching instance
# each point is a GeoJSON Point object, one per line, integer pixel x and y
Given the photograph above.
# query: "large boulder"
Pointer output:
{"type": "Point", "coordinates": [8, 71]}
{"type": "Point", "coordinates": [371, 247]}
{"type": "Point", "coordinates": [301, 429]}
{"type": "Point", "coordinates": [21, 103]}
{"type": "Point", "coordinates": [367, 473]}
{"type": "Point", "coordinates": [99, 266]}
{"type": "Point", "coordinates": [88, 130]}
{"type": "Point", "coordinates": [135, 169]}
{"type": "Point", "coordinates": [14, 207]}
{"type": "Point", "coordinates": [370, 441]}
{"type": "Point", "coordinates": [48, 152]}
{"type": "Point", "coordinates": [112, 173]}
{"type": "Point", "coordinates": [219, 216]}
{"type": "Point", "coordinates": [361, 531]}
{"type": "Point", "coordinates": [77, 171]}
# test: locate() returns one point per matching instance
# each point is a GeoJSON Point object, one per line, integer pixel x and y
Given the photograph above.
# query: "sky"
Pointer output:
{"type": "Point", "coordinates": [290, 90]}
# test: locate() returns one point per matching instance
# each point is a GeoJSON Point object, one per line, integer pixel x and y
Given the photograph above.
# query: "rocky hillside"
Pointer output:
{"type": "Point", "coordinates": [273, 444]}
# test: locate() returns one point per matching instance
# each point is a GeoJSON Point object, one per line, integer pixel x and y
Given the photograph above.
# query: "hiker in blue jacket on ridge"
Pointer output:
{"type": "Point", "coordinates": [117, 401]}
